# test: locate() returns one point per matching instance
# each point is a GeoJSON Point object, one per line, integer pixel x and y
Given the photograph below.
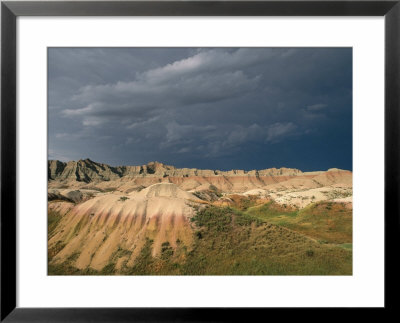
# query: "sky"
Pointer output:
{"type": "Point", "coordinates": [206, 108]}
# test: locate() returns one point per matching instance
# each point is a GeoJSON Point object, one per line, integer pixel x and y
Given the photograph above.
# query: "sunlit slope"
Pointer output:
{"type": "Point", "coordinates": [108, 226]}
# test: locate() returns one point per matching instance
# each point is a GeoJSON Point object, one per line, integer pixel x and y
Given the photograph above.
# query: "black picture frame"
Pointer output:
{"type": "Point", "coordinates": [10, 10]}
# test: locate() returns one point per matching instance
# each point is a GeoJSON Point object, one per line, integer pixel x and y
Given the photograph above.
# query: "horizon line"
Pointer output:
{"type": "Point", "coordinates": [233, 169]}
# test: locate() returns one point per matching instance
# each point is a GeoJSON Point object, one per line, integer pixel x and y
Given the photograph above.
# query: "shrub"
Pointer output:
{"type": "Point", "coordinates": [215, 190]}
{"type": "Point", "coordinates": [108, 269]}
{"type": "Point", "coordinates": [214, 218]}
{"type": "Point", "coordinates": [109, 189]}
{"type": "Point", "coordinates": [245, 219]}
{"type": "Point", "coordinates": [310, 253]}
{"type": "Point", "coordinates": [166, 250]}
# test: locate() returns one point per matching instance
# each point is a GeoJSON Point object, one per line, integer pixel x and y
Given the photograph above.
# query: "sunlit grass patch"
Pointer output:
{"type": "Point", "coordinates": [327, 221]}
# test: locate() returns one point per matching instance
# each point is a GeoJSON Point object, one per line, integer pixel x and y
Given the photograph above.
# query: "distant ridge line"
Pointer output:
{"type": "Point", "coordinates": [86, 170]}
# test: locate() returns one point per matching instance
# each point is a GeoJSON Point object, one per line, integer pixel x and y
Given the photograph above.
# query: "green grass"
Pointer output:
{"type": "Point", "coordinates": [348, 246]}
{"type": "Point", "coordinates": [271, 212]}
{"type": "Point", "coordinates": [214, 217]}
{"type": "Point", "coordinates": [325, 221]}
{"type": "Point", "coordinates": [256, 248]}
{"type": "Point", "coordinates": [241, 202]}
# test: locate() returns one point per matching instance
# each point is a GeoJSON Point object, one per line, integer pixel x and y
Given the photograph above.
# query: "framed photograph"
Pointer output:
{"type": "Point", "coordinates": [195, 160]}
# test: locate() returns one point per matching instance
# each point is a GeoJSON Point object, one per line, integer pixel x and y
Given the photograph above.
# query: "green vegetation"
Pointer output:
{"type": "Point", "coordinates": [214, 189]}
{"type": "Point", "coordinates": [271, 211]}
{"type": "Point", "coordinates": [67, 268]}
{"type": "Point", "coordinates": [250, 246]}
{"type": "Point", "coordinates": [108, 270]}
{"type": "Point", "coordinates": [166, 251]}
{"type": "Point", "coordinates": [348, 246]}
{"type": "Point", "coordinates": [109, 189]}
{"type": "Point", "coordinates": [53, 218]}
{"type": "Point", "coordinates": [214, 217]}
{"type": "Point", "coordinates": [146, 264]}
{"type": "Point", "coordinates": [123, 198]}
{"type": "Point", "coordinates": [324, 221]}
{"type": "Point", "coordinates": [242, 203]}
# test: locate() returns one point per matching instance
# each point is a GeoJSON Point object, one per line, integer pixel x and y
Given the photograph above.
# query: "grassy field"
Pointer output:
{"type": "Point", "coordinates": [249, 246]}
{"type": "Point", "coordinates": [326, 222]}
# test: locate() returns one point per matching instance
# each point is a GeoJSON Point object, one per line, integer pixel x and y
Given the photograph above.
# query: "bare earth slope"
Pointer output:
{"type": "Point", "coordinates": [110, 223]}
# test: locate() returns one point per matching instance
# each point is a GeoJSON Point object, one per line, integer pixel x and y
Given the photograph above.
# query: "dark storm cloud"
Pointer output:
{"type": "Point", "coordinates": [207, 108]}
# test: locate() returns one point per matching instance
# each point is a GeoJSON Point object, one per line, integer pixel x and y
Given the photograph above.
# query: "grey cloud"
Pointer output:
{"type": "Point", "coordinates": [183, 134]}
{"type": "Point", "coordinates": [316, 107]}
{"type": "Point", "coordinates": [217, 141]}
{"type": "Point", "coordinates": [278, 131]}
{"type": "Point", "coordinates": [212, 61]}
{"type": "Point", "coordinates": [173, 86]}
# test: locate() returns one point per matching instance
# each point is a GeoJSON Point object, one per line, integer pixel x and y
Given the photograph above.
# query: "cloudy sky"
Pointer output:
{"type": "Point", "coordinates": [213, 108]}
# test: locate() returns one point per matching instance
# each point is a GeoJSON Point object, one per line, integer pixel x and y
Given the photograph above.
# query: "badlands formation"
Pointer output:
{"type": "Point", "coordinates": [155, 218]}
